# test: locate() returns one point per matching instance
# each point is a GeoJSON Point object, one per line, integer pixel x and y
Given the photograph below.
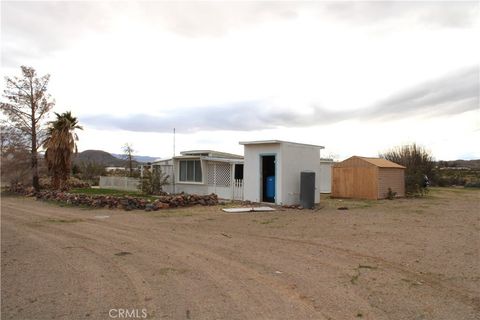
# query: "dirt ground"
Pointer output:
{"type": "Point", "coordinates": [400, 259]}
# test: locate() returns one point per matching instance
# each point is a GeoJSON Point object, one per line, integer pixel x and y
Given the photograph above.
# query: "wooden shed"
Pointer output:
{"type": "Point", "coordinates": [367, 178]}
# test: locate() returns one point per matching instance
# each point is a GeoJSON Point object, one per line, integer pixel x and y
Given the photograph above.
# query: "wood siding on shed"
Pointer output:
{"type": "Point", "coordinates": [355, 182]}
{"type": "Point", "coordinates": [391, 178]}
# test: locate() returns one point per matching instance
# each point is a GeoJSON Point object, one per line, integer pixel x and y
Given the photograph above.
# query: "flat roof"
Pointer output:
{"type": "Point", "coordinates": [278, 142]}
{"type": "Point", "coordinates": [211, 153]}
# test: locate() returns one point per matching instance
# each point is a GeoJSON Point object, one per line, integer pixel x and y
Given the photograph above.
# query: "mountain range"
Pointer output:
{"type": "Point", "coordinates": [108, 159]}
{"type": "Point", "coordinates": [143, 159]}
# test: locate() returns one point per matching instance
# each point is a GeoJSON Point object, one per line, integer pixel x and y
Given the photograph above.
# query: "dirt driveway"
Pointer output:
{"type": "Point", "coordinates": [401, 259]}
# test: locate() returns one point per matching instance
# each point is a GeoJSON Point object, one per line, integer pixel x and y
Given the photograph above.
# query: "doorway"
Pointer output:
{"type": "Point", "coordinates": [268, 178]}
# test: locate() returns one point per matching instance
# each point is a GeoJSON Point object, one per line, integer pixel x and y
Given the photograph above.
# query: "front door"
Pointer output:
{"type": "Point", "coordinates": [268, 181]}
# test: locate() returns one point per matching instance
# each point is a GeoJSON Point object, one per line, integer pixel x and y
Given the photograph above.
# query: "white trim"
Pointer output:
{"type": "Point", "coordinates": [279, 142]}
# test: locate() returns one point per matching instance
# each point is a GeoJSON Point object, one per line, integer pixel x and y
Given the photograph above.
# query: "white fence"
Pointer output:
{"type": "Point", "coordinates": [219, 181]}
{"type": "Point", "coordinates": [237, 189]}
{"type": "Point", "coordinates": [120, 183]}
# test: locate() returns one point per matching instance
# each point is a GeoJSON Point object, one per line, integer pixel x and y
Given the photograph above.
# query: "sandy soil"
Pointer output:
{"type": "Point", "coordinates": [401, 259]}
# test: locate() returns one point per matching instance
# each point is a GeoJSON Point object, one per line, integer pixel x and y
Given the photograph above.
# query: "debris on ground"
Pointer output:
{"type": "Point", "coordinates": [245, 210]}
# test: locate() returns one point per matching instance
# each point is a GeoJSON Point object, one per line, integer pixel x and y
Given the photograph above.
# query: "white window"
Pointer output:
{"type": "Point", "coordinates": [190, 171]}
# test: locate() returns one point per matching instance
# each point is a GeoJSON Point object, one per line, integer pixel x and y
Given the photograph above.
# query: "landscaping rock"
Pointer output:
{"type": "Point", "coordinates": [126, 202]}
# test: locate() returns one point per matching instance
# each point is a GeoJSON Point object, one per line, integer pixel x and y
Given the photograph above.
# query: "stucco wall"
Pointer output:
{"type": "Point", "coordinates": [251, 173]}
{"type": "Point", "coordinates": [295, 159]}
{"type": "Point", "coordinates": [326, 176]}
{"type": "Point", "coordinates": [291, 160]}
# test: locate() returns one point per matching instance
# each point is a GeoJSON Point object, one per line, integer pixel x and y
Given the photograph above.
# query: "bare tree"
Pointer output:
{"type": "Point", "coordinates": [11, 138]}
{"type": "Point", "coordinates": [419, 166]}
{"type": "Point", "coordinates": [15, 155]}
{"type": "Point", "coordinates": [128, 156]}
{"type": "Point", "coordinates": [27, 105]}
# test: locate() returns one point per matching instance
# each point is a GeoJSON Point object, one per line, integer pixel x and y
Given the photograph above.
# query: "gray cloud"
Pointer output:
{"type": "Point", "coordinates": [35, 29]}
{"type": "Point", "coordinates": [432, 13]}
{"type": "Point", "coordinates": [217, 18]}
{"type": "Point", "coordinates": [452, 94]}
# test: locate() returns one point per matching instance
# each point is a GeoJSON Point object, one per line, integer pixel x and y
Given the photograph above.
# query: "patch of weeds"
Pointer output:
{"type": "Point", "coordinates": [68, 205]}
{"type": "Point", "coordinates": [231, 204]}
{"type": "Point", "coordinates": [7, 193]}
{"type": "Point", "coordinates": [391, 194]}
{"type": "Point", "coordinates": [165, 271]}
{"type": "Point", "coordinates": [364, 204]}
{"type": "Point", "coordinates": [64, 220]}
{"type": "Point", "coordinates": [111, 192]}
{"type": "Point", "coordinates": [210, 219]}
{"type": "Point", "coordinates": [171, 214]}
{"type": "Point", "coordinates": [359, 315]}
{"type": "Point", "coordinates": [268, 221]}
{"type": "Point", "coordinates": [354, 278]}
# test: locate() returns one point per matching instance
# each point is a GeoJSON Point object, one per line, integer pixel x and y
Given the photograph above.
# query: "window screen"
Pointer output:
{"type": "Point", "coordinates": [190, 170]}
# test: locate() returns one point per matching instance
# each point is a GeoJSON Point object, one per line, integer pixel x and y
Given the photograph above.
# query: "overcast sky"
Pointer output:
{"type": "Point", "coordinates": [355, 77]}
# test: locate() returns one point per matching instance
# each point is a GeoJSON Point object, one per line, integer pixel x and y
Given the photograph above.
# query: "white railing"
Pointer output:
{"type": "Point", "coordinates": [237, 189]}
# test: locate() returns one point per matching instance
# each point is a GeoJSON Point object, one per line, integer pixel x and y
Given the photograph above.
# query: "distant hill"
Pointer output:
{"type": "Point", "coordinates": [143, 159]}
{"type": "Point", "coordinates": [100, 157]}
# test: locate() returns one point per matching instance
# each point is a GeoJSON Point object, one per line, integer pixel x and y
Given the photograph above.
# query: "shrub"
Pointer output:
{"type": "Point", "coordinates": [153, 181]}
{"type": "Point", "coordinates": [391, 194]}
{"type": "Point", "coordinates": [418, 162]}
{"type": "Point", "coordinates": [475, 184]}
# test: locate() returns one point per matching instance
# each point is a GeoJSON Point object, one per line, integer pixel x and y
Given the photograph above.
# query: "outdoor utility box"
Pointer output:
{"type": "Point", "coordinates": [307, 189]}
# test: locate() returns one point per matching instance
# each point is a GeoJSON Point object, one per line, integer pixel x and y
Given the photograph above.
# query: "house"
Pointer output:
{"type": "Point", "coordinates": [273, 167]}
{"type": "Point", "coordinates": [269, 172]}
{"type": "Point", "coordinates": [204, 172]}
{"type": "Point", "coordinates": [367, 178]}
{"type": "Point", "coordinates": [113, 169]}
{"type": "Point", "coordinates": [326, 175]}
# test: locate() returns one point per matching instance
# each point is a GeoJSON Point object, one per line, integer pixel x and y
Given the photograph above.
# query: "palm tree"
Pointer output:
{"type": "Point", "coordinates": [60, 144]}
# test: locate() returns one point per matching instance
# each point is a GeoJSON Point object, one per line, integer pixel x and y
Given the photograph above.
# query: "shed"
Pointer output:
{"type": "Point", "coordinates": [367, 178]}
{"type": "Point", "coordinates": [273, 167]}
{"type": "Point", "coordinates": [326, 175]}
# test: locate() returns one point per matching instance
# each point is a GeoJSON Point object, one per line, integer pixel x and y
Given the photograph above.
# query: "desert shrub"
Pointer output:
{"type": "Point", "coordinates": [475, 184]}
{"type": "Point", "coordinates": [391, 194]}
{"type": "Point", "coordinates": [447, 181]}
{"type": "Point", "coordinates": [153, 181]}
{"type": "Point", "coordinates": [418, 162]}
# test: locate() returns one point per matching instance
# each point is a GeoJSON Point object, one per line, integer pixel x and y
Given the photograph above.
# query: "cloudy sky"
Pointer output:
{"type": "Point", "coordinates": [355, 77]}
